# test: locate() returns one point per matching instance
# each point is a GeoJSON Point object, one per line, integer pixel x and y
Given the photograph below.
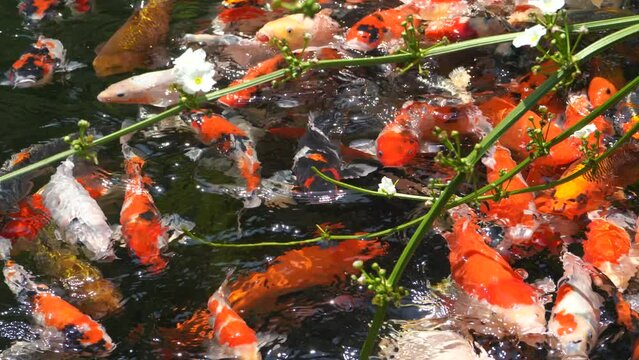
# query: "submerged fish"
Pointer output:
{"type": "Point", "coordinates": [299, 30]}
{"type": "Point", "coordinates": [381, 26]}
{"type": "Point", "coordinates": [83, 283]}
{"type": "Point", "coordinates": [152, 88]}
{"type": "Point", "coordinates": [36, 66]}
{"type": "Point", "coordinates": [574, 320]}
{"type": "Point", "coordinates": [27, 222]}
{"type": "Point", "coordinates": [230, 140]}
{"type": "Point", "coordinates": [142, 228]}
{"type": "Point", "coordinates": [36, 10]}
{"type": "Point", "coordinates": [77, 214]}
{"type": "Point", "coordinates": [241, 98]}
{"type": "Point", "coordinates": [81, 333]}
{"type": "Point", "coordinates": [138, 43]}
{"type": "Point", "coordinates": [296, 270]}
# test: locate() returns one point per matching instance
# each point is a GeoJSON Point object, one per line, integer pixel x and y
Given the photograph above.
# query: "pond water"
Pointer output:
{"type": "Point", "coordinates": [328, 322]}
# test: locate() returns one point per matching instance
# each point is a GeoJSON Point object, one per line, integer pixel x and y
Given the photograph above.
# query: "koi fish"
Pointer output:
{"type": "Point", "coordinates": [77, 214]}
{"type": "Point", "coordinates": [464, 28]}
{"type": "Point", "coordinates": [299, 269]}
{"type": "Point", "coordinates": [36, 10]}
{"type": "Point", "coordinates": [27, 222]}
{"type": "Point", "coordinates": [141, 222]}
{"type": "Point", "coordinates": [402, 139]}
{"type": "Point", "coordinates": [82, 334]}
{"type": "Point", "coordinates": [242, 97]}
{"type": "Point", "coordinates": [36, 66]}
{"type": "Point", "coordinates": [234, 337]}
{"type": "Point", "coordinates": [230, 140]}
{"type": "Point", "coordinates": [516, 212]}
{"type": "Point", "coordinates": [608, 247]}
{"type": "Point", "coordinates": [152, 88]}
{"type": "Point", "coordinates": [83, 283]}
{"type": "Point", "coordinates": [432, 10]}
{"type": "Point", "coordinates": [295, 28]}
{"type": "Point", "coordinates": [381, 26]}
{"type": "Point", "coordinates": [16, 189]}
{"type": "Point", "coordinates": [600, 90]}
{"type": "Point", "coordinates": [487, 278]}
{"type": "Point", "coordinates": [574, 320]}
{"type": "Point", "coordinates": [135, 45]}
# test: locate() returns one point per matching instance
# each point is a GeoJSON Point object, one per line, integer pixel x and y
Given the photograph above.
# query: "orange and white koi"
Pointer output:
{"type": "Point", "coordinates": [402, 139]}
{"type": "Point", "coordinates": [299, 30]}
{"type": "Point", "coordinates": [142, 227]}
{"type": "Point", "coordinates": [136, 44]}
{"type": "Point", "coordinates": [574, 320]}
{"type": "Point", "coordinates": [299, 269]}
{"type": "Point", "coordinates": [14, 190]}
{"type": "Point", "coordinates": [487, 278]}
{"type": "Point", "coordinates": [36, 10]}
{"type": "Point", "coordinates": [234, 337]}
{"type": "Point", "coordinates": [609, 248]}
{"type": "Point", "coordinates": [230, 140]}
{"type": "Point", "coordinates": [515, 212]}
{"type": "Point", "coordinates": [431, 10]}
{"type": "Point", "coordinates": [77, 214]}
{"type": "Point", "coordinates": [37, 65]}
{"type": "Point", "coordinates": [82, 334]}
{"type": "Point", "coordinates": [152, 88]}
{"type": "Point", "coordinates": [379, 27]}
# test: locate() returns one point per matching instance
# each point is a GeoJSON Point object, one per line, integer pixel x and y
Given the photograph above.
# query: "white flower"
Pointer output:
{"type": "Point", "coordinates": [193, 73]}
{"type": "Point", "coordinates": [547, 6]}
{"type": "Point", "coordinates": [387, 187]}
{"type": "Point", "coordinates": [530, 36]}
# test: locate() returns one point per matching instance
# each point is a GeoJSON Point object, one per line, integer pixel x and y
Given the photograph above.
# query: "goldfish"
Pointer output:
{"type": "Point", "coordinates": [402, 139]}
{"type": "Point", "coordinates": [234, 337]}
{"type": "Point", "coordinates": [81, 333]}
{"type": "Point", "coordinates": [36, 66]}
{"type": "Point", "coordinates": [516, 212]}
{"type": "Point", "coordinates": [151, 88]}
{"type": "Point", "coordinates": [242, 97]}
{"type": "Point", "coordinates": [381, 26]}
{"type": "Point", "coordinates": [16, 189]}
{"type": "Point", "coordinates": [136, 44]}
{"type": "Point", "coordinates": [77, 214]}
{"type": "Point", "coordinates": [231, 140]}
{"type": "Point", "coordinates": [574, 321]}
{"type": "Point", "coordinates": [487, 278]}
{"type": "Point", "coordinates": [83, 283]}
{"type": "Point", "coordinates": [609, 248]}
{"type": "Point", "coordinates": [141, 222]}
{"type": "Point", "coordinates": [296, 270]}
{"type": "Point", "coordinates": [299, 30]}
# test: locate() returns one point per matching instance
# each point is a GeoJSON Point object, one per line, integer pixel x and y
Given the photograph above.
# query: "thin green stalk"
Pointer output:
{"type": "Point", "coordinates": [367, 61]}
{"type": "Point", "coordinates": [472, 159]}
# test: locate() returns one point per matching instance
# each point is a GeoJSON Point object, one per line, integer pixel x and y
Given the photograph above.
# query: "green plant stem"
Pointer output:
{"type": "Point", "coordinates": [473, 158]}
{"type": "Point", "coordinates": [366, 61]}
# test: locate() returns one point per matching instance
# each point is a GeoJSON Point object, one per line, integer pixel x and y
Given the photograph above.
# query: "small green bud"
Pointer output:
{"type": "Point", "coordinates": [375, 266]}
{"type": "Point", "coordinates": [358, 264]}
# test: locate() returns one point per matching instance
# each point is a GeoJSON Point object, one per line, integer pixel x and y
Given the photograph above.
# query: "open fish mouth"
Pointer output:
{"type": "Point", "coordinates": [355, 44]}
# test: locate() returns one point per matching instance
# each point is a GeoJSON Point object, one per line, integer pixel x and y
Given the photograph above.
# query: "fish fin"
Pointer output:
{"type": "Point", "coordinates": [71, 66]}
{"type": "Point", "coordinates": [176, 226]}
{"type": "Point", "coordinates": [99, 48]}
{"type": "Point", "coordinates": [5, 248]}
{"type": "Point", "coordinates": [357, 170]}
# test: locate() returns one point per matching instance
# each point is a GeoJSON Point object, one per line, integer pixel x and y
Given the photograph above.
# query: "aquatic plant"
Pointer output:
{"type": "Point", "coordinates": [386, 287]}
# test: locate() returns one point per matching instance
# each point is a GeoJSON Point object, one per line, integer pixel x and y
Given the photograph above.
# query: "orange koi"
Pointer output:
{"type": "Point", "coordinates": [608, 247]}
{"type": "Point", "coordinates": [230, 140]}
{"type": "Point", "coordinates": [232, 333]}
{"type": "Point", "coordinates": [381, 26]}
{"type": "Point", "coordinates": [241, 13]}
{"type": "Point", "coordinates": [135, 44]}
{"type": "Point", "coordinates": [574, 320]}
{"type": "Point", "coordinates": [37, 65]}
{"type": "Point", "coordinates": [483, 274]}
{"type": "Point", "coordinates": [141, 222]}
{"type": "Point", "coordinates": [82, 334]}
{"type": "Point", "coordinates": [578, 107]}
{"type": "Point", "coordinates": [27, 222]}
{"type": "Point", "coordinates": [462, 28]}
{"type": "Point", "coordinates": [600, 90]}
{"type": "Point", "coordinates": [241, 98]}
{"type": "Point", "coordinates": [401, 140]}
{"type": "Point", "coordinates": [300, 269]}
{"type": "Point", "coordinates": [35, 10]}
{"type": "Point", "coordinates": [516, 212]}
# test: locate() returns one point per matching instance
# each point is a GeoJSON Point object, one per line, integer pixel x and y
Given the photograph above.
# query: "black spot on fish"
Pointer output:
{"type": "Point", "coordinates": [147, 215]}
{"type": "Point", "coordinates": [372, 31]}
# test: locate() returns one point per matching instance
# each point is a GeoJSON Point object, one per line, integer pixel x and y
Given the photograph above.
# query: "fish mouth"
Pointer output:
{"type": "Point", "coordinates": [355, 44]}
{"type": "Point", "coordinates": [23, 82]}
{"type": "Point", "coordinates": [261, 37]}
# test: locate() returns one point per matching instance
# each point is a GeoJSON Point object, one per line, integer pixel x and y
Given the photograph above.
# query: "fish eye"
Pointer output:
{"type": "Point", "coordinates": [120, 95]}
{"type": "Point", "coordinates": [289, 29]}
{"type": "Point", "coordinates": [379, 154]}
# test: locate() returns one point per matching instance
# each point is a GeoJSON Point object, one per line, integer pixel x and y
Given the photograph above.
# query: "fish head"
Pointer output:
{"type": "Point", "coordinates": [397, 147]}
{"type": "Point", "coordinates": [367, 34]}
{"type": "Point", "coordinates": [600, 90]}
{"type": "Point", "coordinates": [125, 92]}
{"type": "Point", "coordinates": [292, 28]}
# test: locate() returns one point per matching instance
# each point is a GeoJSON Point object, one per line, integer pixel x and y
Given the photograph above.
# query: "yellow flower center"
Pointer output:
{"type": "Point", "coordinates": [198, 80]}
